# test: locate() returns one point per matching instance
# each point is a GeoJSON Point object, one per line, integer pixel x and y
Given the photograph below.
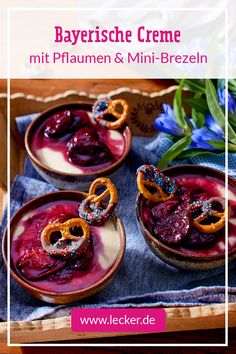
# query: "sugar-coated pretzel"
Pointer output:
{"type": "Point", "coordinates": [68, 245]}
{"type": "Point", "coordinates": [105, 106]}
{"type": "Point", "coordinates": [212, 226]}
{"type": "Point", "coordinates": [91, 208]}
{"type": "Point", "coordinates": [220, 201]}
{"type": "Point", "coordinates": [150, 176]}
{"type": "Point", "coordinates": [199, 209]}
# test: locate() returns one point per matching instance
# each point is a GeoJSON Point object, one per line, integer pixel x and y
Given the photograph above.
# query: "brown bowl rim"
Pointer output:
{"type": "Point", "coordinates": [147, 234]}
{"type": "Point", "coordinates": [43, 115]}
{"type": "Point", "coordinates": [112, 271]}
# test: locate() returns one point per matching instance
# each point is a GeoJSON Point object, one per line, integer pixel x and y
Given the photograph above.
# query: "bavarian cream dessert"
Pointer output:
{"type": "Point", "coordinates": [67, 245]}
{"type": "Point", "coordinates": [77, 141]}
{"type": "Point", "coordinates": [187, 212]}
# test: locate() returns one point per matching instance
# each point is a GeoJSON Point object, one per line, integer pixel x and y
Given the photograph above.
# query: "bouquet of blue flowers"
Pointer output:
{"type": "Point", "coordinates": [203, 131]}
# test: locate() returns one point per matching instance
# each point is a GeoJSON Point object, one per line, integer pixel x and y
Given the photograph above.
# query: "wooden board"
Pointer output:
{"type": "Point", "coordinates": [142, 105]}
{"type": "Point", "coordinates": [178, 319]}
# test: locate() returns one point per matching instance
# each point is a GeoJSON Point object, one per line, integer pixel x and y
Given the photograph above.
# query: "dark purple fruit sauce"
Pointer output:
{"type": "Point", "coordinates": [171, 223]}
{"type": "Point", "coordinates": [56, 274]}
{"type": "Point", "coordinates": [81, 142]}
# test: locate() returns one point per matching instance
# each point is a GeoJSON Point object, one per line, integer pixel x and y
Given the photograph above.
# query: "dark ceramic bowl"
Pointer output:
{"type": "Point", "coordinates": [63, 180]}
{"type": "Point", "coordinates": [66, 297]}
{"type": "Point", "coordinates": [172, 255]}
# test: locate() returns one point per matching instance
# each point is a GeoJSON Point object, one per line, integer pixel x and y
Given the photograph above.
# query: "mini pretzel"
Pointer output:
{"type": "Point", "coordinates": [150, 176]}
{"type": "Point", "coordinates": [63, 248]}
{"type": "Point", "coordinates": [200, 207]}
{"type": "Point", "coordinates": [91, 208]}
{"type": "Point", "coordinates": [212, 227]}
{"type": "Point", "coordinates": [107, 106]}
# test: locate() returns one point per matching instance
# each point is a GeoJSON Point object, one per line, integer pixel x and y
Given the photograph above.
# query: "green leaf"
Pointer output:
{"type": "Point", "coordinates": [232, 85]}
{"type": "Point", "coordinates": [221, 145]}
{"type": "Point", "coordinates": [213, 104]}
{"type": "Point", "coordinates": [187, 154]}
{"type": "Point", "coordinates": [198, 118]}
{"type": "Point", "coordinates": [178, 109]}
{"type": "Point", "coordinates": [199, 104]}
{"type": "Point", "coordinates": [233, 93]}
{"type": "Point", "coordinates": [221, 83]}
{"type": "Point", "coordinates": [232, 82]}
{"type": "Point", "coordinates": [232, 120]}
{"type": "Point", "coordinates": [172, 137]}
{"type": "Point", "coordinates": [194, 85]}
{"type": "Point", "coordinates": [216, 110]}
{"type": "Point", "coordinates": [231, 134]}
{"type": "Point", "coordinates": [174, 151]}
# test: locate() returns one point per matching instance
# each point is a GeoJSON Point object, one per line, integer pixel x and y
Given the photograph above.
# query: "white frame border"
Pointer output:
{"type": "Point", "coordinates": [9, 10]}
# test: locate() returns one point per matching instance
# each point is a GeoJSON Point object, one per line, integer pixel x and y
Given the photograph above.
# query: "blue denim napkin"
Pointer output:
{"type": "Point", "coordinates": [143, 280]}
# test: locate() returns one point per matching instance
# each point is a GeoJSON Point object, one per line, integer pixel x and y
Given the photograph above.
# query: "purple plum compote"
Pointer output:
{"type": "Point", "coordinates": [85, 148]}
{"type": "Point", "coordinates": [70, 141]}
{"type": "Point", "coordinates": [56, 272]}
{"type": "Point", "coordinates": [193, 219]}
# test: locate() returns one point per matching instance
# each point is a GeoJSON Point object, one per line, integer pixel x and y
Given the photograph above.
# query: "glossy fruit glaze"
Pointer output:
{"type": "Point", "coordinates": [49, 273]}
{"type": "Point", "coordinates": [70, 141]}
{"type": "Point", "coordinates": [170, 222]}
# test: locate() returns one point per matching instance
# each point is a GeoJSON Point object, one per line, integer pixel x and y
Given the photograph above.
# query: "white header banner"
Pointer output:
{"type": "Point", "coordinates": [115, 43]}
{"type": "Point", "coordinates": [136, 42]}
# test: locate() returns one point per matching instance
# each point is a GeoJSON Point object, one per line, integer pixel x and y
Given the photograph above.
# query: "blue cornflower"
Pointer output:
{"type": "Point", "coordinates": [166, 123]}
{"type": "Point", "coordinates": [191, 123]}
{"type": "Point", "coordinates": [231, 100]}
{"type": "Point", "coordinates": [212, 125]}
{"type": "Point", "coordinates": [200, 139]}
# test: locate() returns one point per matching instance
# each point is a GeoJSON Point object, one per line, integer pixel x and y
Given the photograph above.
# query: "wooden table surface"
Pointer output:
{"type": "Point", "coordinates": [51, 87]}
{"type": "Point", "coordinates": [48, 87]}
{"type": "Point", "coordinates": [212, 336]}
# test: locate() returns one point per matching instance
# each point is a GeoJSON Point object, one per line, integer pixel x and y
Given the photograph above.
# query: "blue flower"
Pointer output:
{"type": "Point", "coordinates": [200, 139]}
{"type": "Point", "coordinates": [212, 125]}
{"type": "Point", "coordinates": [231, 100]}
{"type": "Point", "coordinates": [191, 123]}
{"type": "Point", "coordinates": [166, 123]}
